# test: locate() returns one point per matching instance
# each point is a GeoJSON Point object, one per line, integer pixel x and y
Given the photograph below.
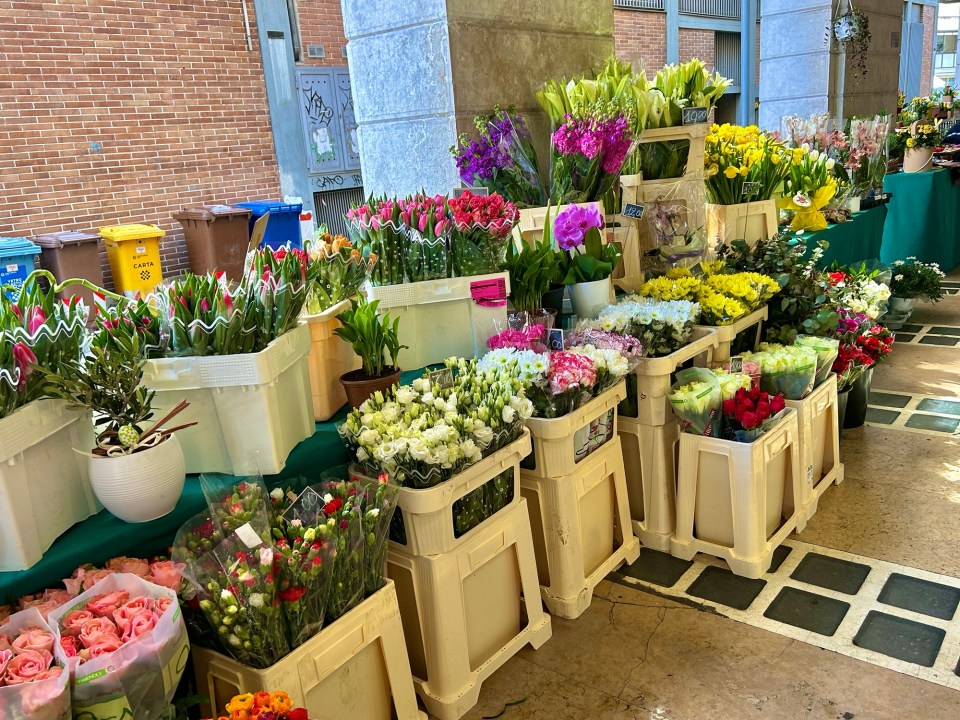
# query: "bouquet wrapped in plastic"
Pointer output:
{"type": "Point", "coordinates": [482, 226]}
{"type": "Point", "coordinates": [130, 645]}
{"type": "Point", "coordinates": [673, 228]}
{"type": "Point", "coordinates": [731, 382]}
{"type": "Point", "coordinates": [377, 231]}
{"type": "Point", "coordinates": [339, 270]}
{"type": "Point", "coordinates": [32, 685]}
{"type": "Point", "coordinates": [826, 349]}
{"type": "Point", "coordinates": [749, 412]}
{"type": "Point", "coordinates": [343, 507]}
{"type": "Point", "coordinates": [426, 229]}
{"type": "Point", "coordinates": [696, 398]}
{"type": "Point", "coordinates": [660, 327]}
{"type": "Point", "coordinates": [588, 153]}
{"type": "Point", "coordinates": [522, 330]}
{"type": "Point", "coordinates": [789, 370]}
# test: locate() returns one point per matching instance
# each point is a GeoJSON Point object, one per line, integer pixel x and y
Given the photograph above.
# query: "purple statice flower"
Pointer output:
{"type": "Point", "coordinates": [481, 158]}
{"type": "Point", "coordinates": [572, 224]}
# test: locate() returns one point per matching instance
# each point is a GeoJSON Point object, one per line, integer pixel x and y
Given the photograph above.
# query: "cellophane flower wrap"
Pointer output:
{"type": "Point", "coordinates": [826, 349]}
{"type": "Point", "coordinates": [426, 228]}
{"type": "Point", "coordinates": [376, 229]}
{"type": "Point", "coordinates": [501, 159]}
{"type": "Point", "coordinates": [526, 337]}
{"type": "Point", "coordinates": [33, 686]}
{"type": "Point", "coordinates": [789, 370]}
{"type": "Point", "coordinates": [37, 329]}
{"type": "Point", "coordinates": [423, 434]}
{"type": "Point", "coordinates": [131, 644]}
{"type": "Point", "coordinates": [660, 327]}
{"type": "Point", "coordinates": [695, 398]}
{"type": "Point", "coordinates": [588, 153]}
{"type": "Point", "coordinates": [749, 412]}
{"type": "Point", "coordinates": [731, 382]}
{"type": "Point", "coordinates": [850, 364]}
{"type": "Point", "coordinates": [735, 155]}
{"type": "Point", "coordinates": [343, 507]}
{"type": "Point", "coordinates": [339, 269]}
{"type": "Point", "coordinates": [615, 356]}
{"type": "Point", "coordinates": [482, 226]}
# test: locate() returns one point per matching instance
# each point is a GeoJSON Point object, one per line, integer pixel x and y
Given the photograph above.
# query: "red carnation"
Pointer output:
{"type": "Point", "coordinates": [292, 594]}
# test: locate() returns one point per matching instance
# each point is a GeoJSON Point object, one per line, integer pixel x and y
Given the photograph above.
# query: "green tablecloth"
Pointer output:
{"type": "Point", "coordinates": [103, 536]}
{"type": "Point", "coordinates": [923, 219]}
{"type": "Point", "coordinates": [854, 241]}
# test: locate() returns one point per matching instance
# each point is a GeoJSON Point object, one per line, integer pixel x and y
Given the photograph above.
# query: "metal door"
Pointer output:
{"type": "Point", "coordinates": [322, 133]}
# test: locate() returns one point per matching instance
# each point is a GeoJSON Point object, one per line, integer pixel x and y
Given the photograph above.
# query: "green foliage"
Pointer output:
{"type": "Point", "coordinates": [597, 262]}
{"type": "Point", "coordinates": [370, 335]}
{"type": "Point", "coordinates": [532, 269]}
{"type": "Point", "coordinates": [917, 280]}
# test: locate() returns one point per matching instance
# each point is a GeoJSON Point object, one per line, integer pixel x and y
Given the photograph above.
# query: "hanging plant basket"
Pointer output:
{"type": "Point", "coordinates": [845, 27]}
{"type": "Point", "coordinates": [852, 31]}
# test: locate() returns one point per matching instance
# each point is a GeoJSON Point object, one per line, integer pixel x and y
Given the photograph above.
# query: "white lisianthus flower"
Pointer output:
{"type": "Point", "coordinates": [508, 414]}
{"type": "Point", "coordinates": [255, 600]}
{"type": "Point", "coordinates": [405, 395]}
{"type": "Point", "coordinates": [369, 437]}
{"type": "Point", "coordinates": [362, 455]}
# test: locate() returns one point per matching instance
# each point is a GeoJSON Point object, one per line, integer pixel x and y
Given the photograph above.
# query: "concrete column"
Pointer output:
{"type": "Point", "coordinates": [801, 74]}
{"type": "Point", "coordinates": [420, 70]}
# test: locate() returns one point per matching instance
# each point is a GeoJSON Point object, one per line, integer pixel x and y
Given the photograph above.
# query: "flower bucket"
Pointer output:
{"type": "Point", "coordinates": [746, 221]}
{"type": "Point", "coordinates": [141, 486]}
{"type": "Point", "coordinates": [901, 306]}
{"type": "Point", "coordinates": [918, 160]}
{"type": "Point", "coordinates": [856, 411]}
{"type": "Point", "coordinates": [589, 298]}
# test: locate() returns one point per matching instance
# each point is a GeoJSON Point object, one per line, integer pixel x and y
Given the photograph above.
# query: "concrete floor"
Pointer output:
{"type": "Point", "coordinates": [636, 655]}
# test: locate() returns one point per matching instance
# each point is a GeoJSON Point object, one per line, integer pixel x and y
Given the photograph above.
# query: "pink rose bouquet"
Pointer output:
{"type": "Point", "coordinates": [33, 685]}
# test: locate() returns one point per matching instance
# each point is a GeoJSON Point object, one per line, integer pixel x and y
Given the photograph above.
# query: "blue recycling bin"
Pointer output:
{"type": "Point", "coordinates": [18, 258]}
{"type": "Point", "coordinates": [283, 227]}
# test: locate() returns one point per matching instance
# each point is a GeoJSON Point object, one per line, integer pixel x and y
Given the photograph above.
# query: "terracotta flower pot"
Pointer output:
{"type": "Point", "coordinates": [359, 387]}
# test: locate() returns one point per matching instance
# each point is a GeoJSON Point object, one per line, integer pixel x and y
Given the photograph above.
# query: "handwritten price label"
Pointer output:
{"type": "Point", "coordinates": [694, 115]}
{"type": "Point", "coordinates": [635, 211]}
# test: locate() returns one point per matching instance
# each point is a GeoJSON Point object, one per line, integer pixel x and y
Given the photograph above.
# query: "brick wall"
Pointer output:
{"type": "Point", "coordinates": [928, 16]}
{"type": "Point", "coordinates": [700, 44]}
{"type": "Point", "coordinates": [321, 23]}
{"type": "Point", "coordinates": [126, 110]}
{"type": "Point", "coordinates": [641, 37]}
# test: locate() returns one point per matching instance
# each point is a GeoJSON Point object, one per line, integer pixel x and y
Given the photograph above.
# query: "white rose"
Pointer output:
{"type": "Point", "coordinates": [405, 395]}
{"type": "Point", "coordinates": [255, 600]}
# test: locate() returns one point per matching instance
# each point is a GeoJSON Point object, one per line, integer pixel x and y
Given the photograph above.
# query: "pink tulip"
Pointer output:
{"type": "Point", "coordinates": [422, 224]}
{"type": "Point", "coordinates": [35, 320]}
{"type": "Point", "coordinates": [204, 305]}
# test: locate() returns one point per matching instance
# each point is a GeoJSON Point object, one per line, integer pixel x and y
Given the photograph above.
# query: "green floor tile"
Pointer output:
{"type": "Point", "coordinates": [885, 399]}
{"type": "Point", "coordinates": [807, 611]}
{"type": "Point", "coordinates": [831, 573]}
{"type": "Point", "coordinates": [904, 337]}
{"type": "Point", "coordinates": [721, 586]}
{"type": "Point", "coordinates": [912, 328]}
{"type": "Point", "coordinates": [920, 596]}
{"type": "Point", "coordinates": [657, 567]}
{"type": "Point", "coordinates": [944, 330]}
{"type": "Point", "coordinates": [779, 555]}
{"type": "Point", "coordinates": [935, 340]}
{"type": "Point", "coordinates": [881, 417]}
{"type": "Point", "coordinates": [900, 638]}
{"type": "Point", "coordinates": [933, 422]}
{"type": "Point", "coordinates": [941, 407]}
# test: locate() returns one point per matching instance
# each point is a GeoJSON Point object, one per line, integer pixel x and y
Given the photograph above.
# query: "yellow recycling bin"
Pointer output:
{"type": "Point", "coordinates": [134, 255]}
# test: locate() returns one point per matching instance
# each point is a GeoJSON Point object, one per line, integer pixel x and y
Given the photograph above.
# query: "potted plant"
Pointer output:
{"type": "Point", "coordinates": [922, 137]}
{"type": "Point", "coordinates": [912, 282]}
{"type": "Point", "coordinates": [534, 273]}
{"type": "Point", "coordinates": [371, 337]}
{"type": "Point", "coordinates": [586, 262]}
{"type": "Point", "coordinates": [946, 99]}
{"type": "Point", "coordinates": [136, 470]}
{"type": "Point", "coordinates": [852, 31]}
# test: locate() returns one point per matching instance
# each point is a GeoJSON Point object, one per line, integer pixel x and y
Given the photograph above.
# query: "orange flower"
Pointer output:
{"type": "Point", "coordinates": [261, 700]}
{"type": "Point", "coordinates": [240, 706]}
{"type": "Point", "coordinates": [280, 702]}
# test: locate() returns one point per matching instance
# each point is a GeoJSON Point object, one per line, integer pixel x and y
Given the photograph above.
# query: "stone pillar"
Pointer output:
{"type": "Point", "coordinates": [420, 70]}
{"type": "Point", "coordinates": [802, 74]}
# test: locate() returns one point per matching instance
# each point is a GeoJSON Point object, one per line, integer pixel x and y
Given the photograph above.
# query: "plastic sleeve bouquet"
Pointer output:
{"type": "Point", "coordinates": [482, 228]}
{"type": "Point", "coordinates": [502, 159]}
{"type": "Point", "coordinates": [568, 384]}
{"type": "Point", "coordinates": [850, 364]}
{"type": "Point", "coordinates": [789, 370]}
{"type": "Point", "coordinates": [826, 349]}
{"type": "Point", "coordinates": [588, 152]}
{"type": "Point", "coordinates": [731, 382]}
{"type": "Point", "coordinates": [809, 188]}
{"type": "Point", "coordinates": [696, 397]}
{"type": "Point", "coordinates": [660, 327]}
{"type": "Point", "coordinates": [339, 269]}
{"type": "Point", "coordinates": [735, 155]}
{"type": "Point", "coordinates": [426, 229]}
{"type": "Point", "coordinates": [376, 229]}
{"type": "Point", "coordinates": [611, 366]}
{"type": "Point", "coordinates": [343, 507]}
{"type": "Point", "coordinates": [32, 685]}
{"type": "Point", "coordinates": [748, 412]}
{"type": "Point", "coordinates": [529, 337]}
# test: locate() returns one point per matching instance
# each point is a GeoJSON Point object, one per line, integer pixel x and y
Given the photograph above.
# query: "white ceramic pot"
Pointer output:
{"type": "Point", "coordinates": [918, 160]}
{"type": "Point", "coordinates": [589, 298]}
{"type": "Point", "coordinates": [853, 204]}
{"type": "Point", "coordinates": [142, 486]}
{"type": "Point", "coordinates": [901, 306]}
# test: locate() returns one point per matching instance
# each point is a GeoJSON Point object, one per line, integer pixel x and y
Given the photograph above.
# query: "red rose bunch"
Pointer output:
{"type": "Point", "coordinates": [851, 361]}
{"type": "Point", "coordinates": [836, 277]}
{"type": "Point", "coordinates": [751, 408]}
{"type": "Point", "coordinates": [876, 342]}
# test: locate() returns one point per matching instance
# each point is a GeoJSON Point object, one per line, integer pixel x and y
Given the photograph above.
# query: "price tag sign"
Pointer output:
{"type": "Point", "coordinates": [259, 230]}
{"type": "Point", "coordinates": [635, 211]}
{"type": "Point", "coordinates": [442, 377]}
{"type": "Point", "coordinates": [555, 341]}
{"type": "Point", "coordinates": [249, 536]}
{"type": "Point", "coordinates": [458, 191]}
{"type": "Point", "coordinates": [736, 364]}
{"type": "Point", "coordinates": [694, 115]}
{"type": "Point", "coordinates": [750, 189]}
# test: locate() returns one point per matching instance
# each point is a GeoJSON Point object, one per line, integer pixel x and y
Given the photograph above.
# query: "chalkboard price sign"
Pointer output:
{"type": "Point", "coordinates": [694, 115]}
{"type": "Point", "coordinates": [750, 190]}
{"type": "Point", "coordinates": [633, 211]}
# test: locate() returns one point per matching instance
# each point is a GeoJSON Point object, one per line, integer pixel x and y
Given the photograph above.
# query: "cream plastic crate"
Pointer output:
{"type": "Point", "coordinates": [747, 221]}
{"type": "Point", "coordinates": [695, 133]}
{"type": "Point", "coordinates": [726, 334]}
{"type": "Point", "coordinates": [652, 377]}
{"type": "Point", "coordinates": [650, 463]}
{"type": "Point", "coordinates": [730, 496]}
{"type": "Point", "coordinates": [252, 409]}
{"type": "Point", "coordinates": [467, 612]}
{"type": "Point", "coordinates": [330, 357]}
{"type": "Point", "coordinates": [356, 667]}
{"type": "Point", "coordinates": [44, 487]}
{"type": "Point", "coordinates": [556, 440]}
{"type": "Point", "coordinates": [428, 514]}
{"type": "Point", "coordinates": [820, 465]}
{"type": "Point", "coordinates": [441, 318]}
{"type": "Point", "coordinates": [581, 529]}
